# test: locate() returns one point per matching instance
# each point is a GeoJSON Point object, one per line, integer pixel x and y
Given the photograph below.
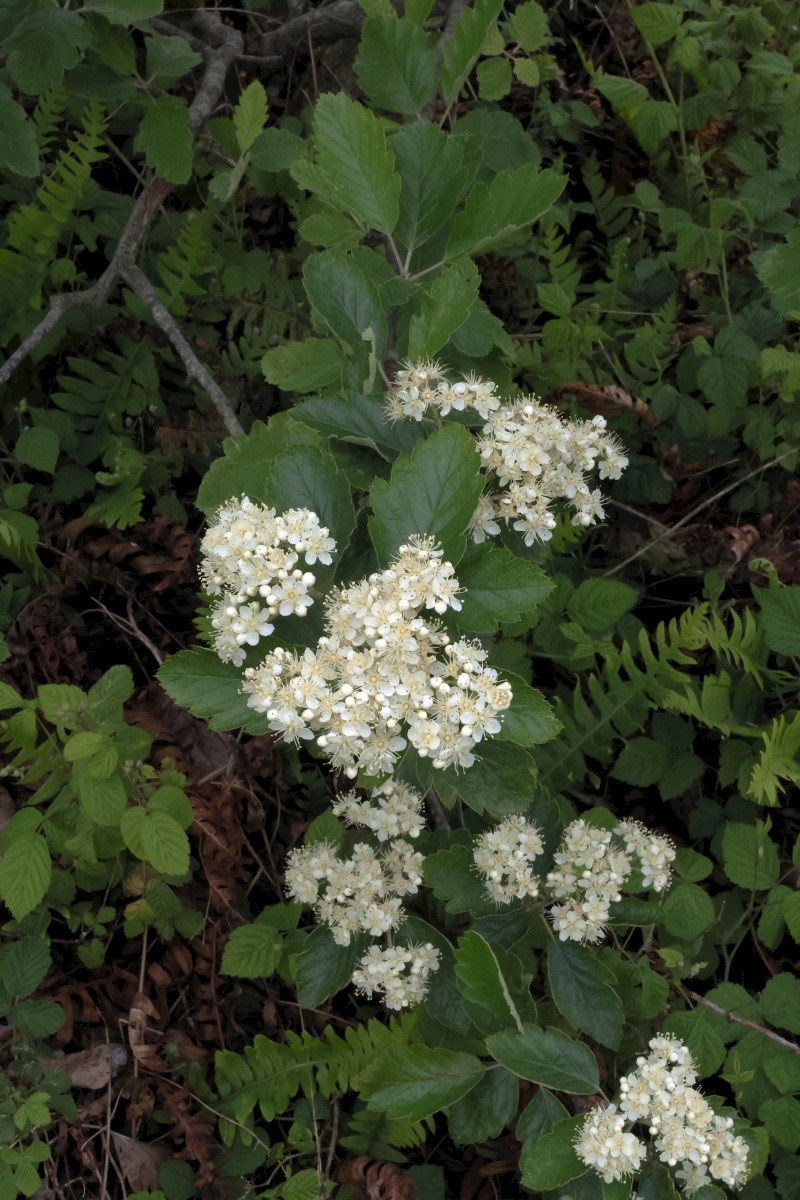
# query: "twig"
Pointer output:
{"type": "Point", "coordinates": [144, 289]}
{"type": "Point", "coordinates": [327, 23]}
{"type": "Point", "coordinates": [773, 462]}
{"type": "Point", "coordinates": [732, 1016]}
{"type": "Point", "coordinates": [226, 46]}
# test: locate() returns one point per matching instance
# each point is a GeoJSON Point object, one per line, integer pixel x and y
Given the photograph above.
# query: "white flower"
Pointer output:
{"type": "Point", "coordinates": [504, 856]}
{"type": "Point", "coordinates": [399, 972]}
{"type": "Point", "coordinates": [604, 1144]}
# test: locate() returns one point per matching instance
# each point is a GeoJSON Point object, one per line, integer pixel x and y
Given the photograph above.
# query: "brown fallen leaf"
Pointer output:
{"type": "Point", "coordinates": [742, 539]}
{"type": "Point", "coordinates": [93, 1068]}
{"type": "Point", "coordinates": [139, 1162]}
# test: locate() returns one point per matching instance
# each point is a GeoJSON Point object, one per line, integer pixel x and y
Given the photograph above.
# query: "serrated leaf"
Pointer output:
{"type": "Point", "coordinates": [323, 968]}
{"type": "Point", "coordinates": [23, 965]}
{"type": "Point", "coordinates": [169, 57]}
{"type": "Point", "coordinates": [498, 588]}
{"type": "Point", "coordinates": [780, 1002]}
{"type": "Point", "coordinates": [395, 67]}
{"type": "Point", "coordinates": [251, 952]}
{"type": "Point", "coordinates": [583, 991]}
{"type": "Point", "coordinates": [19, 150]}
{"type": "Point", "coordinates": [433, 491]}
{"type": "Point", "coordinates": [103, 800]}
{"type": "Point", "coordinates": [276, 150]}
{"type": "Point", "coordinates": [552, 1162]}
{"type": "Point", "coordinates": [657, 23]}
{"type": "Point", "coordinates": [749, 856]}
{"type": "Point", "coordinates": [486, 1110]}
{"type": "Point", "coordinates": [494, 78]}
{"type": "Point", "coordinates": [548, 1058]}
{"type": "Point", "coordinates": [165, 140]}
{"type": "Point", "coordinates": [42, 46]}
{"type": "Point", "coordinates": [482, 981]}
{"type": "Point", "coordinates": [242, 468]}
{"type": "Point", "coordinates": [357, 168]}
{"type": "Point", "coordinates": [38, 1018]}
{"type": "Point", "coordinates": [443, 309]}
{"type": "Point", "coordinates": [361, 420]}
{"type": "Point", "coordinates": [496, 211]}
{"type": "Point", "coordinates": [434, 178]}
{"type": "Point", "coordinates": [499, 783]}
{"type": "Point", "coordinates": [197, 680]}
{"type": "Point", "coordinates": [461, 50]}
{"type": "Point", "coordinates": [530, 719]}
{"type": "Point", "coordinates": [25, 873]}
{"type": "Point", "coordinates": [250, 115]}
{"type": "Point", "coordinates": [779, 270]}
{"type": "Point", "coordinates": [164, 843]}
{"type": "Point", "coordinates": [308, 477]}
{"type": "Point", "coordinates": [529, 26]}
{"type": "Point", "coordinates": [598, 603]}
{"type": "Point", "coordinates": [780, 618]}
{"type": "Point", "coordinates": [414, 1082]}
{"type": "Point", "coordinates": [345, 302]}
{"type": "Point", "coordinates": [304, 366]}
{"type": "Point", "coordinates": [687, 911]}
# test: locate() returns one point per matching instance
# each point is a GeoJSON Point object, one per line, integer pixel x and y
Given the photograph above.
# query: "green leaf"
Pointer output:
{"type": "Point", "coordinates": [164, 843]}
{"type": "Point", "coordinates": [23, 965]}
{"type": "Point", "coordinates": [486, 1110]}
{"type": "Point", "coordinates": [599, 603]}
{"type": "Point", "coordinates": [780, 1002]}
{"type": "Point", "coordinates": [355, 161]}
{"type": "Point", "coordinates": [582, 989]}
{"type": "Point", "coordinates": [323, 968]}
{"type": "Point", "coordinates": [304, 366]}
{"type": "Point", "coordinates": [465, 43]}
{"type": "Point", "coordinates": [779, 270]}
{"type": "Point", "coordinates": [276, 150]}
{"type": "Point", "coordinates": [395, 67]}
{"type": "Point", "coordinates": [169, 57]}
{"type": "Point", "coordinates": [103, 800]}
{"type": "Point", "coordinates": [530, 720]}
{"type": "Point", "coordinates": [250, 115]}
{"type": "Point", "coordinates": [37, 447]}
{"type": "Point", "coordinates": [496, 211]}
{"type": "Point", "coordinates": [641, 762]}
{"type": "Point", "coordinates": [657, 23]}
{"type": "Point", "coordinates": [242, 469]}
{"type": "Point", "coordinates": [749, 856]}
{"type": "Point", "coordinates": [494, 78]}
{"type": "Point", "coordinates": [38, 1018]}
{"type": "Point", "coordinates": [42, 46]}
{"type": "Point", "coordinates": [251, 952]}
{"type": "Point", "coordinates": [308, 477]}
{"type": "Point", "coordinates": [551, 1161]}
{"type": "Point", "coordinates": [25, 873]}
{"type": "Point", "coordinates": [780, 618]}
{"type": "Point", "coordinates": [165, 140]}
{"type": "Point", "coordinates": [529, 26]}
{"type": "Point", "coordinates": [434, 491]}
{"type": "Point", "coordinates": [125, 12]}
{"type": "Point", "coordinates": [434, 177]}
{"type": "Point", "coordinates": [724, 380]}
{"type": "Point", "coordinates": [482, 981]}
{"type": "Point", "coordinates": [452, 876]}
{"type": "Point", "coordinates": [498, 588]}
{"type": "Point", "coordinates": [345, 302]}
{"type": "Point", "coordinates": [443, 309]}
{"type": "Point", "coordinates": [361, 420]}
{"type": "Point", "coordinates": [19, 150]}
{"type": "Point", "coordinates": [413, 1082]}
{"type": "Point", "coordinates": [782, 1118]}
{"type": "Point", "coordinates": [687, 911]}
{"type": "Point", "coordinates": [499, 783]}
{"type": "Point", "coordinates": [548, 1058]}
{"type": "Point", "coordinates": [538, 1118]}
{"type": "Point", "coordinates": [197, 680]}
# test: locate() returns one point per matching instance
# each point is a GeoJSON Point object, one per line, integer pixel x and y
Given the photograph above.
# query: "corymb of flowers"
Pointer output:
{"type": "Point", "coordinates": [688, 1134]}
{"type": "Point", "coordinates": [533, 455]}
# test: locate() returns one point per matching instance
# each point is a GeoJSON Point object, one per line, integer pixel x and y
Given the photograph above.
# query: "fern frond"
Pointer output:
{"type": "Point", "coordinates": [35, 230]}
{"type": "Point", "coordinates": [379, 1136]}
{"type": "Point", "coordinates": [777, 764]}
{"type": "Point", "coordinates": [611, 211]}
{"type": "Point", "coordinates": [270, 1074]}
{"type": "Point", "coordinates": [742, 644]}
{"type": "Point", "coordinates": [48, 116]}
{"type": "Point", "coordinates": [653, 346]}
{"type": "Point", "coordinates": [182, 263]}
{"type": "Point", "coordinates": [617, 701]}
{"type": "Point", "coordinates": [556, 252]}
{"type": "Point", "coordinates": [119, 382]}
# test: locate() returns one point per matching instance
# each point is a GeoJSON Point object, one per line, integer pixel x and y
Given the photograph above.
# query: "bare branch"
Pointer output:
{"type": "Point", "coordinates": [144, 289]}
{"type": "Point", "coordinates": [226, 47]}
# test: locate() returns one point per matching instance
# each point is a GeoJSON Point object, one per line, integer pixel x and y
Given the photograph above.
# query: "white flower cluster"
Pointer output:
{"type": "Point", "coordinates": [363, 893]}
{"type": "Point", "coordinates": [419, 387]}
{"type": "Point", "coordinates": [504, 855]}
{"type": "Point", "coordinates": [385, 674]}
{"type": "Point", "coordinates": [398, 973]}
{"type": "Point", "coordinates": [687, 1132]}
{"type": "Point", "coordinates": [535, 456]}
{"type": "Point", "coordinates": [250, 560]}
{"type": "Point", "coordinates": [590, 869]}
{"type": "Point", "coordinates": [398, 811]}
